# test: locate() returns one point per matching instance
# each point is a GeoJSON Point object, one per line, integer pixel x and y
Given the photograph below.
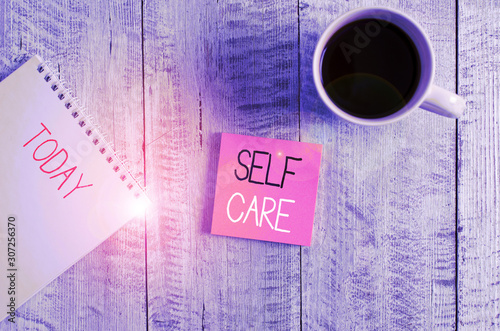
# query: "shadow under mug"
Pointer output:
{"type": "Point", "coordinates": [428, 96]}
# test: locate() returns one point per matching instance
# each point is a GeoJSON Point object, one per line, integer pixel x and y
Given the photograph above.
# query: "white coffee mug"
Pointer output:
{"type": "Point", "coordinates": [426, 95]}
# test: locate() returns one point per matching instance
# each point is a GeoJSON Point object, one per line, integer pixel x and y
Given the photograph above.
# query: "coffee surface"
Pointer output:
{"type": "Point", "coordinates": [370, 68]}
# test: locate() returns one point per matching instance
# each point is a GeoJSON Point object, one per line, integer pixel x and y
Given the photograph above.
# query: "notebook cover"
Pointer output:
{"type": "Point", "coordinates": [60, 196]}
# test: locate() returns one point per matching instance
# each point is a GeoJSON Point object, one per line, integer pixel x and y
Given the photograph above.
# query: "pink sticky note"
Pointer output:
{"type": "Point", "coordinates": [266, 189]}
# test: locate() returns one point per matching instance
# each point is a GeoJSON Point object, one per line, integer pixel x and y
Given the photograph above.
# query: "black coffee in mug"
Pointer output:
{"type": "Point", "coordinates": [370, 68]}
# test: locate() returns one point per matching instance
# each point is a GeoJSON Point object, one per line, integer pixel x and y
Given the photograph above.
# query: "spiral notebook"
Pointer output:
{"type": "Point", "coordinates": [63, 189]}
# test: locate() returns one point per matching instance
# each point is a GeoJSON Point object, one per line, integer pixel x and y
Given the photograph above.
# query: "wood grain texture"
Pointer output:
{"type": "Point", "coordinates": [212, 67]}
{"type": "Point", "coordinates": [97, 48]}
{"type": "Point", "coordinates": [383, 251]}
{"type": "Point", "coordinates": [478, 176]}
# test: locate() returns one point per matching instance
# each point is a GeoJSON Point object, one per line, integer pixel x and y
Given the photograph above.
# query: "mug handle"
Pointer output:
{"type": "Point", "coordinates": [443, 102]}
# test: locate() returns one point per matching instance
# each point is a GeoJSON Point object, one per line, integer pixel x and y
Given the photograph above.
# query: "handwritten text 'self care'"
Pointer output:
{"type": "Point", "coordinates": [265, 211]}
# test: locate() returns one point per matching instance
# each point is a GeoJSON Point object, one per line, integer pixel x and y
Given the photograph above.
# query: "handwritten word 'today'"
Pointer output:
{"type": "Point", "coordinates": [53, 161]}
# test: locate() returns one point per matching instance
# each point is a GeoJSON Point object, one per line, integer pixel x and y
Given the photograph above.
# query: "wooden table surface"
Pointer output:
{"type": "Point", "coordinates": [407, 225]}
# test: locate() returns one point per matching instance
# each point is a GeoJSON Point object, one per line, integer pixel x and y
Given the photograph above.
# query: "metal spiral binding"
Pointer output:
{"type": "Point", "coordinates": [85, 122]}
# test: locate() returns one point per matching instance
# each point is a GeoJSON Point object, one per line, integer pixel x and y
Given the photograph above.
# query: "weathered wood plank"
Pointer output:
{"type": "Point", "coordinates": [97, 49]}
{"type": "Point", "coordinates": [478, 175]}
{"type": "Point", "coordinates": [383, 245]}
{"type": "Point", "coordinates": [211, 67]}
{"type": "Point", "coordinates": [383, 251]}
